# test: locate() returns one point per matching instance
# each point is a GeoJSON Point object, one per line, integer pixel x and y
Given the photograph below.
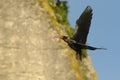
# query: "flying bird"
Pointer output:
{"type": "Point", "coordinates": [78, 40]}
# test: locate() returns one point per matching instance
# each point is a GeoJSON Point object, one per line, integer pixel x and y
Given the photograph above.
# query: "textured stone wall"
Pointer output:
{"type": "Point", "coordinates": [27, 48]}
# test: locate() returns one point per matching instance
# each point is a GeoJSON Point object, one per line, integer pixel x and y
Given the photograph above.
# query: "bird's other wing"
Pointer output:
{"type": "Point", "coordinates": [82, 26]}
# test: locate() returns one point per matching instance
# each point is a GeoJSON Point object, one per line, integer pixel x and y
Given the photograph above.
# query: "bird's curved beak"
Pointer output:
{"type": "Point", "coordinates": [60, 37]}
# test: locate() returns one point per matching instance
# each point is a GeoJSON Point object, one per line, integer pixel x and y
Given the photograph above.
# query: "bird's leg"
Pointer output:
{"type": "Point", "coordinates": [79, 56]}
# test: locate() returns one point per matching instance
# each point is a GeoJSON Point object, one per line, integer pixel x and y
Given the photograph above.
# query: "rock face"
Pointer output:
{"type": "Point", "coordinates": [28, 50]}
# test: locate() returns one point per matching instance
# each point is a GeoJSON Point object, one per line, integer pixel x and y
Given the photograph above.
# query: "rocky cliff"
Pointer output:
{"type": "Point", "coordinates": [27, 48]}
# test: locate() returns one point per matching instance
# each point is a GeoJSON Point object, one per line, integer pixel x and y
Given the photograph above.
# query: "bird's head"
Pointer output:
{"type": "Point", "coordinates": [61, 37]}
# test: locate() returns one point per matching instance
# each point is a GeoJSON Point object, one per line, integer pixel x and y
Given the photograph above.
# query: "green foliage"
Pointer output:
{"type": "Point", "coordinates": [61, 12]}
{"type": "Point", "coordinates": [69, 30]}
{"type": "Point", "coordinates": [84, 51]}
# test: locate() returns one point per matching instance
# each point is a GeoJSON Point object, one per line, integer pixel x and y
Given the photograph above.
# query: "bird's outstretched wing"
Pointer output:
{"type": "Point", "coordinates": [82, 26]}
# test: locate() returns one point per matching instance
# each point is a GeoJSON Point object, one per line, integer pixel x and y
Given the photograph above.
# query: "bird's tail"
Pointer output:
{"type": "Point", "coordinates": [101, 48]}
{"type": "Point", "coordinates": [94, 48]}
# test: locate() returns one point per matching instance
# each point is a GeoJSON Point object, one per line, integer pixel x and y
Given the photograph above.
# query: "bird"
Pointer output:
{"type": "Point", "coordinates": [78, 40]}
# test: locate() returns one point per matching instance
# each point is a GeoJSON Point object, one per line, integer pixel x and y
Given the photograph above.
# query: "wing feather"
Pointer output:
{"type": "Point", "coordinates": [82, 26]}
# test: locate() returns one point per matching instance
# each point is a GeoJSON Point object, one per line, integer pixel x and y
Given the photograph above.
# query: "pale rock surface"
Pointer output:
{"type": "Point", "coordinates": [27, 48]}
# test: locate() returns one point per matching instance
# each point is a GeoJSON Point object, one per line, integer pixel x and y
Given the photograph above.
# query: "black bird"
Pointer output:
{"type": "Point", "coordinates": [78, 41]}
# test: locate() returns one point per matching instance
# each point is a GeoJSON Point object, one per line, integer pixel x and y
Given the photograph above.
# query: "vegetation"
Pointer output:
{"type": "Point", "coordinates": [61, 12]}
{"type": "Point", "coordinates": [58, 14]}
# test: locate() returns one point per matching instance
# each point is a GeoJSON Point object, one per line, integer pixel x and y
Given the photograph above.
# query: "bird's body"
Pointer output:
{"type": "Point", "coordinates": [78, 41]}
{"type": "Point", "coordinates": [77, 46]}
